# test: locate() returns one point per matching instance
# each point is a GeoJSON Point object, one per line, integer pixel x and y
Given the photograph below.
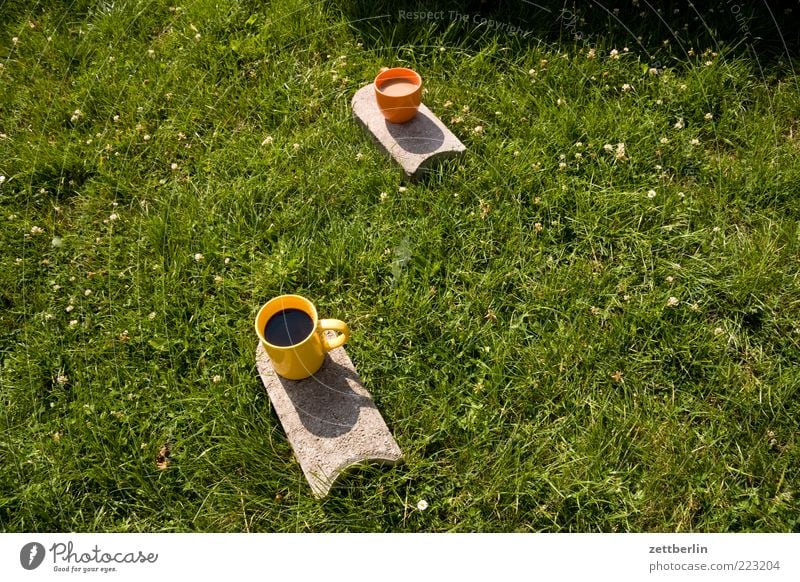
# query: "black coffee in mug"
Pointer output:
{"type": "Point", "coordinates": [288, 327]}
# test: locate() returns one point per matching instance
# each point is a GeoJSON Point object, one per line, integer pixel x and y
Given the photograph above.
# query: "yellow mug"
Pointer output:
{"type": "Point", "coordinates": [294, 337]}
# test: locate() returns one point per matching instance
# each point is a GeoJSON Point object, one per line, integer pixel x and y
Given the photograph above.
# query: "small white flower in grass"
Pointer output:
{"type": "Point", "coordinates": [651, 194]}
{"type": "Point", "coordinates": [36, 230]}
{"type": "Point", "coordinates": [465, 109]}
{"type": "Point", "coordinates": [422, 505]}
{"type": "Point", "coordinates": [478, 129]}
{"type": "Point", "coordinates": [562, 166]}
{"type": "Point", "coordinates": [516, 153]}
{"type": "Point", "coordinates": [626, 88]}
{"type": "Point", "coordinates": [216, 379]}
{"type": "Point", "coordinates": [401, 189]}
{"type": "Point", "coordinates": [683, 87]}
{"type": "Point", "coordinates": [672, 302]}
{"type": "Point", "coordinates": [448, 104]}
{"type": "Point", "coordinates": [173, 166]}
{"type": "Point", "coordinates": [591, 54]}
{"type": "Point", "coordinates": [87, 292]}
{"type": "Point", "coordinates": [217, 279]}
{"type": "Point", "coordinates": [709, 116]}
{"type": "Point", "coordinates": [652, 71]}
{"type": "Point", "coordinates": [670, 279]}
{"type": "Point", "coordinates": [384, 196]}
{"type": "Point", "coordinates": [62, 379]}
{"type": "Point", "coordinates": [608, 148]}
{"type": "Point", "coordinates": [296, 146]}
{"type": "Point", "coordinates": [73, 322]}
{"type": "Point", "coordinates": [267, 141]}
{"type": "Point", "coordinates": [560, 102]}
{"type": "Point", "coordinates": [197, 36]}
{"type": "Point", "coordinates": [49, 316]}
{"type": "Point", "coordinates": [620, 151]}
{"type": "Point", "coordinates": [2, 179]}
{"type": "Point", "coordinates": [76, 115]}
{"type": "Point", "coordinates": [198, 257]}
{"type": "Point", "coordinates": [578, 155]}
{"type": "Point", "coordinates": [679, 124]}
{"type": "Point", "coordinates": [227, 260]}
{"type": "Point", "coordinates": [151, 53]}
{"type": "Point", "coordinates": [151, 316]}
{"type": "Point", "coordinates": [716, 229]}
{"type": "Point", "coordinates": [709, 63]}
{"type": "Point", "coordinates": [694, 141]}
{"type": "Point", "coordinates": [718, 331]}
{"type": "Point", "coordinates": [15, 40]}
{"type": "Point", "coordinates": [359, 156]}
{"type": "Point", "coordinates": [114, 216]}
{"type": "Point", "coordinates": [614, 54]}
{"type": "Point", "coordinates": [69, 308]}
{"type": "Point", "coordinates": [116, 118]}
{"type": "Point", "coordinates": [18, 261]}
{"type": "Point", "coordinates": [146, 137]}
{"type": "Point", "coordinates": [578, 144]}
{"type": "Point", "coordinates": [663, 140]}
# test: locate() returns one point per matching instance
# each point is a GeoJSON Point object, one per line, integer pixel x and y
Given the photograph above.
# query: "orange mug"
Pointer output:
{"type": "Point", "coordinates": [399, 93]}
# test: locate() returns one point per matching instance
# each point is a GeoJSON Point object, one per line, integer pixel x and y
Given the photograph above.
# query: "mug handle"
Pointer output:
{"type": "Point", "coordinates": [334, 325]}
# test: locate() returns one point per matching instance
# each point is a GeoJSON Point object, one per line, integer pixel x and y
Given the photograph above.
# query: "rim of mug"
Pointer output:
{"type": "Point", "coordinates": [313, 314]}
{"type": "Point", "coordinates": [384, 76]}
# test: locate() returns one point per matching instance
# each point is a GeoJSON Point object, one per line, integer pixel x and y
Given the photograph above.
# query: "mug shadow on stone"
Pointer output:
{"type": "Point", "coordinates": [325, 403]}
{"type": "Point", "coordinates": [421, 135]}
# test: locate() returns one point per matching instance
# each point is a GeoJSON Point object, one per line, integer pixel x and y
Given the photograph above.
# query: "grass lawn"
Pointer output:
{"type": "Point", "coordinates": [591, 322]}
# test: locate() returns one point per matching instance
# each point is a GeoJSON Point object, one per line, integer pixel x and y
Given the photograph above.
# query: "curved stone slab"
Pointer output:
{"type": "Point", "coordinates": [416, 145]}
{"type": "Point", "coordinates": [330, 419]}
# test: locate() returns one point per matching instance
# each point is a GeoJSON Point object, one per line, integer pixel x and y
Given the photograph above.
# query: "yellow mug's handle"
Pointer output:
{"type": "Point", "coordinates": [334, 325]}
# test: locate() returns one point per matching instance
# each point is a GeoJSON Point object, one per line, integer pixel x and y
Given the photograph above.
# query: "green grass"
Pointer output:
{"type": "Point", "coordinates": [513, 318]}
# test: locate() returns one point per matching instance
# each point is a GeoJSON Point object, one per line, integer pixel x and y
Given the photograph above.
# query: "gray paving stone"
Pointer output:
{"type": "Point", "coordinates": [416, 145]}
{"type": "Point", "coordinates": [330, 419]}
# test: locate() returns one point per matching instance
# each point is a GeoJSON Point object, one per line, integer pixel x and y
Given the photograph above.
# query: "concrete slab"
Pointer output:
{"type": "Point", "coordinates": [330, 419]}
{"type": "Point", "coordinates": [416, 145]}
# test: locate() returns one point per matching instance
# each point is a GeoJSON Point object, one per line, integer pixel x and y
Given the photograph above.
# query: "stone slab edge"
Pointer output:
{"type": "Point", "coordinates": [424, 128]}
{"type": "Point", "coordinates": [330, 419]}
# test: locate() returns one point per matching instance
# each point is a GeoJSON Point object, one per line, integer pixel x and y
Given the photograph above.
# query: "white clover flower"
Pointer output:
{"type": "Point", "coordinates": [69, 308]}
{"type": "Point", "coordinates": [36, 230]}
{"type": "Point", "coordinates": [664, 140]}
{"type": "Point", "coordinates": [2, 179]}
{"type": "Point", "coordinates": [73, 322]}
{"type": "Point", "coordinates": [694, 141]}
{"type": "Point", "coordinates": [620, 151]}
{"type": "Point", "coordinates": [478, 129]}
{"type": "Point", "coordinates": [217, 279]}
{"type": "Point", "coordinates": [146, 137]}
{"type": "Point", "coordinates": [384, 196]}
{"type": "Point", "coordinates": [672, 302]}
{"type": "Point", "coordinates": [359, 156]}
{"type": "Point", "coordinates": [402, 189]}
{"type": "Point", "coordinates": [651, 193]}
{"type": "Point", "coordinates": [614, 54]}
{"type": "Point", "coordinates": [87, 292]}
{"type": "Point", "coordinates": [562, 166]}
{"type": "Point", "coordinates": [709, 116]}
{"type": "Point", "coordinates": [114, 216]}
{"type": "Point", "coordinates": [267, 141]}
{"type": "Point", "coordinates": [198, 257]}
{"type": "Point", "coordinates": [151, 316]}
{"type": "Point", "coordinates": [173, 166]}
{"type": "Point", "coordinates": [227, 260]}
{"type": "Point", "coordinates": [679, 124]}
{"type": "Point", "coordinates": [422, 505]}
{"type": "Point", "coordinates": [608, 148]}
{"type": "Point", "coordinates": [216, 379]}
{"type": "Point", "coordinates": [626, 87]}
{"type": "Point", "coordinates": [296, 146]}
